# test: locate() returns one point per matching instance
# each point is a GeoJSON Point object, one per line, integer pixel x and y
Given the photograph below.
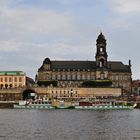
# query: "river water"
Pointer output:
{"type": "Point", "coordinates": [69, 124]}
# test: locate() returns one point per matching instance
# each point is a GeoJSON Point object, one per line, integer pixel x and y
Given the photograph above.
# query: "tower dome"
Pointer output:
{"type": "Point", "coordinates": [101, 39]}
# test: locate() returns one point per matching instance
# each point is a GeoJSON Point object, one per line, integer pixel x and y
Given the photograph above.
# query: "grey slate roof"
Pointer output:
{"type": "Point", "coordinates": [73, 65]}
{"type": "Point", "coordinates": [116, 66]}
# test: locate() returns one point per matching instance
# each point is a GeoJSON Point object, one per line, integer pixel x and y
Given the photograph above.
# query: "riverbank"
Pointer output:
{"type": "Point", "coordinates": [7, 104]}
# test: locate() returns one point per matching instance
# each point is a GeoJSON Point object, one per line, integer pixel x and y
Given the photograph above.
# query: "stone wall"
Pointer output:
{"type": "Point", "coordinates": [68, 92]}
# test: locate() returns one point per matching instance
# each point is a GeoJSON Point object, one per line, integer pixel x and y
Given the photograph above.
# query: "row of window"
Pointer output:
{"type": "Point", "coordinates": [10, 79]}
{"type": "Point", "coordinates": [125, 85]}
{"type": "Point", "coordinates": [10, 85]}
{"type": "Point", "coordinates": [71, 70]}
{"type": "Point", "coordinates": [64, 93]}
{"type": "Point", "coordinates": [84, 77]}
{"type": "Point", "coordinates": [119, 77]}
{"type": "Point", "coordinates": [71, 77]}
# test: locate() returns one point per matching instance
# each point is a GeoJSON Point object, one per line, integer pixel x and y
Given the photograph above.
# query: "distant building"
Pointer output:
{"type": "Point", "coordinates": [29, 82]}
{"type": "Point", "coordinates": [12, 79]}
{"type": "Point", "coordinates": [136, 87]}
{"type": "Point", "coordinates": [75, 73]}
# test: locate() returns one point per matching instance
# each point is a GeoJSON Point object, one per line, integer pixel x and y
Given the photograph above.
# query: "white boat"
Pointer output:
{"type": "Point", "coordinates": [33, 105]}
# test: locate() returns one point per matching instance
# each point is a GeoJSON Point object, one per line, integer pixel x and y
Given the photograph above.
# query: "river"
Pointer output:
{"type": "Point", "coordinates": [69, 124]}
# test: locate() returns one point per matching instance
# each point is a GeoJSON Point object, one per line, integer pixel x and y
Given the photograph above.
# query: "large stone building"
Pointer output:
{"type": "Point", "coordinates": [136, 87]}
{"type": "Point", "coordinates": [74, 73]}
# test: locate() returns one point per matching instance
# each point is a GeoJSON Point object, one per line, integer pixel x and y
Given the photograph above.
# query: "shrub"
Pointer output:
{"type": "Point", "coordinates": [97, 83]}
{"type": "Point", "coordinates": [47, 83]}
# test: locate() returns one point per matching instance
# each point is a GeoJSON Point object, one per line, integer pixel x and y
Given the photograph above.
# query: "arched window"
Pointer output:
{"type": "Point", "coordinates": [102, 75]}
{"type": "Point", "coordinates": [1, 85]}
{"type": "Point", "coordinates": [101, 49]}
{"type": "Point", "coordinates": [6, 85]}
{"type": "Point", "coordinates": [101, 63]}
{"type": "Point", "coordinates": [10, 85]}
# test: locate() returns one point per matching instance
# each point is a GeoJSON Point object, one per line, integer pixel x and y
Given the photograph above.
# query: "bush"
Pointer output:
{"type": "Point", "coordinates": [47, 83]}
{"type": "Point", "coordinates": [97, 83]}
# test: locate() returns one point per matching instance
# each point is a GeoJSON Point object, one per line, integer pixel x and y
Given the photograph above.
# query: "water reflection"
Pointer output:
{"type": "Point", "coordinates": [69, 125]}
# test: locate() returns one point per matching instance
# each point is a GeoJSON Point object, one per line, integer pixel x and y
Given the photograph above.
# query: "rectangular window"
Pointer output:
{"type": "Point", "coordinates": [73, 77]}
{"type": "Point", "coordinates": [10, 79]}
{"type": "Point", "coordinates": [58, 77]}
{"type": "Point", "coordinates": [88, 77]}
{"type": "Point", "coordinates": [5, 79]}
{"type": "Point", "coordinates": [63, 77]}
{"type": "Point", "coordinates": [15, 79]}
{"type": "Point", "coordinates": [69, 77]}
{"type": "Point", "coordinates": [53, 77]}
{"type": "Point", "coordinates": [78, 77]}
{"type": "Point", "coordinates": [83, 77]}
{"type": "Point", "coordinates": [1, 79]}
{"type": "Point", "coordinates": [20, 79]}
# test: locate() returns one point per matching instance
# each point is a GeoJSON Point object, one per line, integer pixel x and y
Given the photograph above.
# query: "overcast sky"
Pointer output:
{"type": "Point", "coordinates": [31, 30]}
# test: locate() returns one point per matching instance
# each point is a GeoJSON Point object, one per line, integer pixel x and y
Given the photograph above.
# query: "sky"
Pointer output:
{"type": "Point", "coordinates": [31, 30]}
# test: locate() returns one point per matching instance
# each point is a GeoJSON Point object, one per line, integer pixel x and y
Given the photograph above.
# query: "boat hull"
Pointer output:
{"type": "Point", "coordinates": [110, 107]}
{"type": "Point", "coordinates": [64, 107]}
{"type": "Point", "coordinates": [32, 107]}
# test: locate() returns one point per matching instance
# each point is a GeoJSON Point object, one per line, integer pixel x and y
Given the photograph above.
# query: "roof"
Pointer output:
{"type": "Point", "coordinates": [73, 65]}
{"type": "Point", "coordinates": [12, 73]}
{"type": "Point", "coordinates": [87, 65]}
{"type": "Point", "coordinates": [118, 66]}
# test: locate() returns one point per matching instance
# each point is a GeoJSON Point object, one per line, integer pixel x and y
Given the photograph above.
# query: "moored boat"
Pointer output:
{"type": "Point", "coordinates": [33, 105]}
{"type": "Point", "coordinates": [83, 105]}
{"type": "Point", "coordinates": [106, 107]}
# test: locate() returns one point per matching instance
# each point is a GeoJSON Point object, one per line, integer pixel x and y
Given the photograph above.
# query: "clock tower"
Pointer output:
{"type": "Point", "coordinates": [101, 54]}
{"type": "Point", "coordinates": [101, 58]}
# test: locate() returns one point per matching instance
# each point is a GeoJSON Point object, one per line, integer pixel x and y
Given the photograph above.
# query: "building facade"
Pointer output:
{"type": "Point", "coordinates": [12, 79]}
{"type": "Point", "coordinates": [136, 87]}
{"type": "Point", "coordinates": [74, 73]}
{"type": "Point", "coordinates": [78, 93]}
